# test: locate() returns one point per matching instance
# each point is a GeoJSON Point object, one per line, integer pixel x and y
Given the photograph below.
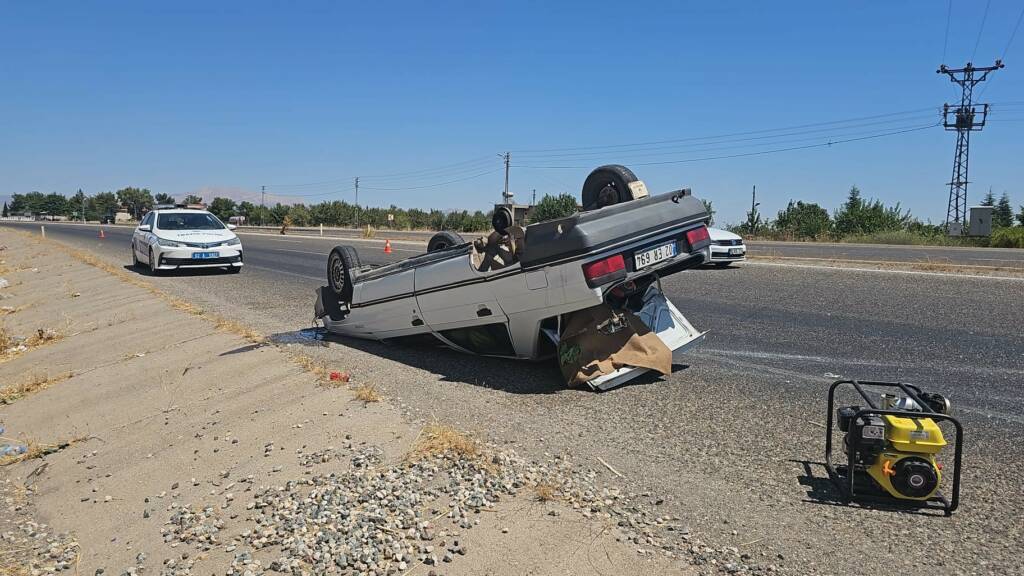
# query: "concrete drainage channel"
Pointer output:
{"type": "Point", "coordinates": [200, 467]}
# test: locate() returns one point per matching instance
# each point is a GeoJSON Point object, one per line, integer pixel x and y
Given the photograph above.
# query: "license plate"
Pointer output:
{"type": "Point", "coordinates": [203, 255]}
{"type": "Point", "coordinates": [654, 255]}
{"type": "Point", "coordinates": [735, 251]}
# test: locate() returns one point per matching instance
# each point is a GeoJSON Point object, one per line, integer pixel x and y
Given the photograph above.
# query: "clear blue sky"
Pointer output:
{"type": "Point", "coordinates": [223, 97]}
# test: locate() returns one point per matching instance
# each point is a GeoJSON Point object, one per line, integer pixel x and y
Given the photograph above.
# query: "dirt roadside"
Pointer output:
{"type": "Point", "coordinates": [162, 439]}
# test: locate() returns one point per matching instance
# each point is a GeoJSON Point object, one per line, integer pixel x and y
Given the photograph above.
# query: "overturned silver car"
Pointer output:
{"type": "Point", "coordinates": [583, 289]}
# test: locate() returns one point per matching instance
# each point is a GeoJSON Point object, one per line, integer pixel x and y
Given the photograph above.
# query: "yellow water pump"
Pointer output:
{"type": "Point", "coordinates": [892, 445]}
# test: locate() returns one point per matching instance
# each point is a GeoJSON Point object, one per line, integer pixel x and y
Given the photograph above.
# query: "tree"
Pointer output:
{"type": "Point", "coordinates": [223, 208]}
{"type": "Point", "coordinates": [6, 212]}
{"type": "Point", "coordinates": [990, 199]}
{"type": "Point", "coordinates": [55, 205]}
{"type": "Point", "coordinates": [163, 198]}
{"type": "Point", "coordinates": [137, 201]}
{"type": "Point", "coordinates": [553, 208]}
{"type": "Point", "coordinates": [1002, 215]}
{"type": "Point", "coordinates": [193, 199]}
{"type": "Point", "coordinates": [102, 205]}
{"type": "Point", "coordinates": [710, 210]}
{"type": "Point", "coordinates": [859, 216]}
{"type": "Point", "coordinates": [1020, 216]}
{"type": "Point", "coordinates": [77, 205]}
{"type": "Point", "coordinates": [804, 220]}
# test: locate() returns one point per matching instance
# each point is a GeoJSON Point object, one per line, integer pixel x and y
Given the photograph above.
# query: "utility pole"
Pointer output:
{"type": "Point", "coordinates": [263, 199]}
{"type": "Point", "coordinates": [357, 201]}
{"type": "Point", "coordinates": [534, 201]}
{"type": "Point", "coordinates": [964, 121]}
{"type": "Point", "coordinates": [753, 211]}
{"type": "Point", "coordinates": [508, 197]}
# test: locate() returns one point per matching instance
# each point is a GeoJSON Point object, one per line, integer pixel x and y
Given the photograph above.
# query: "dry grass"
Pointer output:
{"type": "Point", "coordinates": [227, 325]}
{"type": "Point", "coordinates": [221, 323]}
{"type": "Point", "coordinates": [436, 439]}
{"type": "Point", "coordinates": [42, 337]}
{"type": "Point", "coordinates": [314, 367]}
{"type": "Point", "coordinates": [6, 310]}
{"type": "Point", "coordinates": [13, 566]}
{"type": "Point", "coordinates": [545, 491]}
{"type": "Point", "coordinates": [38, 450]}
{"type": "Point", "coordinates": [367, 393]}
{"type": "Point", "coordinates": [369, 232]}
{"type": "Point", "coordinates": [35, 383]}
{"type": "Point", "coordinates": [6, 340]}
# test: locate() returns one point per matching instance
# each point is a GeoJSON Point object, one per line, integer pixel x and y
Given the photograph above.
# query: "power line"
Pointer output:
{"type": "Point", "coordinates": [945, 41]}
{"type": "Point", "coordinates": [433, 185]}
{"type": "Point", "coordinates": [1013, 34]}
{"type": "Point", "coordinates": [655, 150]}
{"type": "Point", "coordinates": [458, 166]}
{"type": "Point", "coordinates": [981, 29]}
{"type": "Point", "coordinates": [729, 135]}
{"type": "Point", "coordinates": [757, 153]}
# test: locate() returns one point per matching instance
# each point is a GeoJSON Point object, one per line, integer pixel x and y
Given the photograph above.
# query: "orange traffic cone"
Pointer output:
{"type": "Point", "coordinates": [387, 246]}
{"type": "Point", "coordinates": [102, 235]}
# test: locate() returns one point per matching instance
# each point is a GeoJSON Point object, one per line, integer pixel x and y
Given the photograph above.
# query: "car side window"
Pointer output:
{"type": "Point", "coordinates": [148, 220]}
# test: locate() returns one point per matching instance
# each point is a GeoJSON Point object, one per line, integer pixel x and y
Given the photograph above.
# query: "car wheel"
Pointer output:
{"type": "Point", "coordinates": [135, 258]}
{"type": "Point", "coordinates": [153, 270]}
{"type": "Point", "coordinates": [444, 240]}
{"type": "Point", "coordinates": [340, 264]}
{"type": "Point", "coordinates": [606, 186]}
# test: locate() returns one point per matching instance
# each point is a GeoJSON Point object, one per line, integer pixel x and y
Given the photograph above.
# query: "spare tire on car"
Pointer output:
{"type": "Point", "coordinates": [611, 184]}
{"type": "Point", "coordinates": [340, 266]}
{"type": "Point", "coordinates": [444, 240]}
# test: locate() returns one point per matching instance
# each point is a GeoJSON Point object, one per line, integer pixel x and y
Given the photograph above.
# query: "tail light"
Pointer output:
{"type": "Point", "coordinates": [605, 270]}
{"type": "Point", "coordinates": [698, 237]}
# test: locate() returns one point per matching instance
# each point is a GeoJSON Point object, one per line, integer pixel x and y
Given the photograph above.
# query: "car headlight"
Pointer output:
{"type": "Point", "coordinates": [233, 242]}
{"type": "Point", "coordinates": [167, 243]}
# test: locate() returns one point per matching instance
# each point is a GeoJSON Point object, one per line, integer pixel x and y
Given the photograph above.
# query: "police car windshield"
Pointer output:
{"type": "Point", "coordinates": [188, 221]}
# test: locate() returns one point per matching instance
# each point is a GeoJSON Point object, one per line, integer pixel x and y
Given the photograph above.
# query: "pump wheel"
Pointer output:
{"type": "Point", "coordinates": [915, 477]}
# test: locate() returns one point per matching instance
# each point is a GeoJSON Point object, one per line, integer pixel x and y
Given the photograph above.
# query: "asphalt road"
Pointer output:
{"type": "Point", "coordinates": [732, 442]}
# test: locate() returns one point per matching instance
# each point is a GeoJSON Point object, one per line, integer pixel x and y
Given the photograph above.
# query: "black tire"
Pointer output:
{"type": "Point", "coordinates": [444, 240]}
{"type": "Point", "coordinates": [340, 264]}
{"type": "Point", "coordinates": [606, 186]}
{"type": "Point", "coordinates": [135, 258]}
{"type": "Point", "coordinates": [502, 219]}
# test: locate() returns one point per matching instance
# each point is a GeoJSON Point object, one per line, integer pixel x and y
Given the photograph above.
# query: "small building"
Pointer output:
{"type": "Point", "coordinates": [520, 212]}
{"type": "Point", "coordinates": [122, 217]}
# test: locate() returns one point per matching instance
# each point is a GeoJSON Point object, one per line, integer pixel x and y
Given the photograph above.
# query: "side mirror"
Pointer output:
{"type": "Point", "coordinates": [145, 228]}
{"type": "Point", "coordinates": [232, 227]}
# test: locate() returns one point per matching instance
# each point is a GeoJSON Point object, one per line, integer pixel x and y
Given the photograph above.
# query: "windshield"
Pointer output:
{"type": "Point", "coordinates": [188, 221]}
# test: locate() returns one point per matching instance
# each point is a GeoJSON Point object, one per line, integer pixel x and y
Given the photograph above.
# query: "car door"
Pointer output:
{"type": "Point", "coordinates": [458, 304]}
{"type": "Point", "coordinates": [140, 239]}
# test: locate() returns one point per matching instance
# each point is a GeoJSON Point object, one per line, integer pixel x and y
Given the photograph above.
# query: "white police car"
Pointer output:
{"type": "Point", "coordinates": [171, 238]}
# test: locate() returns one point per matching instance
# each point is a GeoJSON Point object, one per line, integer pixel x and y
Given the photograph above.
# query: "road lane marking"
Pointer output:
{"type": "Point", "coordinates": [914, 272]}
{"type": "Point", "coordinates": [838, 361]}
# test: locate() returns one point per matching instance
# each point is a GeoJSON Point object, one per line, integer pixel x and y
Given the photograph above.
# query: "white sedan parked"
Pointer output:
{"type": "Point", "coordinates": [170, 239]}
{"type": "Point", "coordinates": [726, 247]}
